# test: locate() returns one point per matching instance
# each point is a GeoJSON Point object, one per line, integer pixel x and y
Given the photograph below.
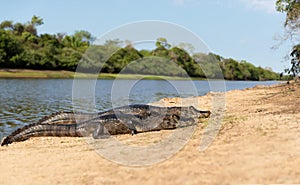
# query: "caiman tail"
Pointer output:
{"type": "Point", "coordinates": [36, 130]}
{"type": "Point", "coordinates": [99, 127]}
{"type": "Point", "coordinates": [66, 118]}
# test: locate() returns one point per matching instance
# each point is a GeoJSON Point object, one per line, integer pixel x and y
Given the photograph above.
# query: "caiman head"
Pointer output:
{"type": "Point", "coordinates": [188, 112]}
{"type": "Point", "coordinates": [195, 113]}
{"type": "Point", "coordinates": [184, 116]}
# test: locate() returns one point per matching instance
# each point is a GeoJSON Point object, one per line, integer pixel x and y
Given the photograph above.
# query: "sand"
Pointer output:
{"type": "Point", "coordinates": [258, 143]}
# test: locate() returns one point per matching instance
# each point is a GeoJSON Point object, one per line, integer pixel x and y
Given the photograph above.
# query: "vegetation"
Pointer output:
{"type": "Point", "coordinates": [292, 25]}
{"type": "Point", "coordinates": [22, 47]}
{"type": "Point", "coordinates": [292, 22]}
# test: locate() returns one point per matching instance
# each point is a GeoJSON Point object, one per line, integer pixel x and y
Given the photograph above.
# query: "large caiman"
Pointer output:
{"type": "Point", "coordinates": [130, 119]}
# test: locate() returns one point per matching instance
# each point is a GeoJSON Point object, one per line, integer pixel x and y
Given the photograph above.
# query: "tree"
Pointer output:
{"type": "Point", "coordinates": [71, 42]}
{"type": "Point", "coordinates": [31, 26]}
{"type": "Point", "coordinates": [68, 59]}
{"type": "Point", "coordinates": [292, 22]}
{"type": "Point", "coordinates": [84, 36]}
{"type": "Point", "coordinates": [292, 25]}
{"type": "Point", "coordinates": [145, 52]}
{"type": "Point", "coordinates": [295, 68]}
{"type": "Point", "coordinates": [36, 21]}
{"type": "Point", "coordinates": [48, 40]}
{"type": "Point", "coordinates": [120, 59]}
{"type": "Point", "coordinates": [22, 47]}
{"type": "Point", "coordinates": [60, 37]}
{"type": "Point", "coordinates": [18, 28]}
{"type": "Point", "coordinates": [10, 48]}
{"type": "Point", "coordinates": [6, 25]}
{"type": "Point", "coordinates": [162, 42]}
{"type": "Point", "coordinates": [184, 60]}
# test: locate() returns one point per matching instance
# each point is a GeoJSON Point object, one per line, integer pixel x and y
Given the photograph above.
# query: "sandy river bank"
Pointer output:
{"type": "Point", "coordinates": [259, 142]}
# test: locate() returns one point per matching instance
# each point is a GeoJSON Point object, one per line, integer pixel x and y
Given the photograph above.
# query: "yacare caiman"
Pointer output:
{"type": "Point", "coordinates": [130, 119]}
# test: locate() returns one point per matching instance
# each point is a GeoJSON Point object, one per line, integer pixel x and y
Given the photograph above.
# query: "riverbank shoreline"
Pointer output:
{"type": "Point", "coordinates": [62, 74]}
{"type": "Point", "coordinates": [259, 142]}
{"type": "Point", "coordinates": [6, 73]}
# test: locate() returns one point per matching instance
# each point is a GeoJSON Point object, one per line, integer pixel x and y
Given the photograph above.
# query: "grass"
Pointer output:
{"type": "Point", "coordinates": [35, 74]}
{"type": "Point", "coordinates": [19, 73]}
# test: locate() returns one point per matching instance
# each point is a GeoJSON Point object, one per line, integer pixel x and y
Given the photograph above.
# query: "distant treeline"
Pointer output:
{"type": "Point", "coordinates": [22, 47]}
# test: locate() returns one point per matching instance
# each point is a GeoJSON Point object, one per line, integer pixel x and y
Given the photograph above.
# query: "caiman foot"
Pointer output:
{"type": "Point", "coordinates": [100, 133]}
{"type": "Point", "coordinates": [133, 132]}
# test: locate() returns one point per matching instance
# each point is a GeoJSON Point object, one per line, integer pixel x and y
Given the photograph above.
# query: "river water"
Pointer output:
{"type": "Point", "coordinates": [25, 101]}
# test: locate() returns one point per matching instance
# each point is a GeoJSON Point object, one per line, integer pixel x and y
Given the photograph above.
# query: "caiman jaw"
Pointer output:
{"type": "Point", "coordinates": [204, 115]}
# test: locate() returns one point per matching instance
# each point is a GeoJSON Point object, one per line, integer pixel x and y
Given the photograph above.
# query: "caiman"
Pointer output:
{"type": "Point", "coordinates": [74, 117]}
{"type": "Point", "coordinates": [130, 119]}
{"type": "Point", "coordinates": [136, 109]}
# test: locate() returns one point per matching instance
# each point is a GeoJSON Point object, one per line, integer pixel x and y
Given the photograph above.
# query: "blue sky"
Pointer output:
{"type": "Point", "coordinates": [239, 29]}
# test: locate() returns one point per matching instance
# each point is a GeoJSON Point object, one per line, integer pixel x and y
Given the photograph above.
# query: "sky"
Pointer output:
{"type": "Point", "coordinates": [238, 29]}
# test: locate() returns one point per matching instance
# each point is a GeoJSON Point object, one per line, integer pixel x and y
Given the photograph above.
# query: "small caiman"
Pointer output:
{"type": "Point", "coordinates": [150, 119]}
{"type": "Point", "coordinates": [74, 117]}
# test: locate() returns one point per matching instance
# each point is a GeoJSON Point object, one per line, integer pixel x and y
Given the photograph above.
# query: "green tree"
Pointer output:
{"type": "Point", "coordinates": [145, 52]}
{"type": "Point", "coordinates": [120, 59]}
{"type": "Point", "coordinates": [72, 42]}
{"type": "Point", "coordinates": [31, 26]}
{"type": "Point", "coordinates": [292, 25]}
{"type": "Point", "coordinates": [184, 60]}
{"type": "Point", "coordinates": [162, 42]}
{"type": "Point", "coordinates": [84, 36]}
{"type": "Point", "coordinates": [10, 48]}
{"type": "Point", "coordinates": [292, 21]}
{"type": "Point", "coordinates": [161, 51]}
{"type": "Point", "coordinates": [292, 10]}
{"type": "Point", "coordinates": [69, 59]}
{"type": "Point", "coordinates": [18, 28]}
{"type": "Point", "coordinates": [36, 21]}
{"type": "Point", "coordinates": [6, 25]}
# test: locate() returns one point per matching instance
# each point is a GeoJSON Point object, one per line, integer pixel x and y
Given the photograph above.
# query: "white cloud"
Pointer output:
{"type": "Point", "coordinates": [262, 5]}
